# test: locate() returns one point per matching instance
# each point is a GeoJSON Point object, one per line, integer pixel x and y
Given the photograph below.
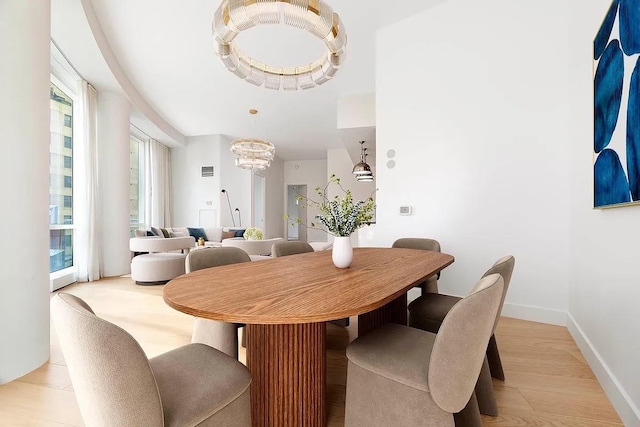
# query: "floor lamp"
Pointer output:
{"type": "Point", "coordinates": [230, 211]}
{"type": "Point", "coordinates": [239, 217]}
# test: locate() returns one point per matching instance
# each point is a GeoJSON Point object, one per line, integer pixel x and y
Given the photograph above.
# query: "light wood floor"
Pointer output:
{"type": "Point", "coordinates": [548, 381]}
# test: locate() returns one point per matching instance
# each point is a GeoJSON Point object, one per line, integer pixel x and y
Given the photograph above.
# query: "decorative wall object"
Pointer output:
{"type": "Point", "coordinates": [616, 104]}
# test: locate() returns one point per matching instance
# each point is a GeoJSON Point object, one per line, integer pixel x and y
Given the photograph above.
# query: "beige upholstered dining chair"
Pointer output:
{"type": "Point", "coordinates": [117, 385]}
{"type": "Point", "coordinates": [216, 333]}
{"type": "Point", "coordinates": [427, 313]}
{"type": "Point", "coordinates": [290, 248]}
{"type": "Point", "coordinates": [431, 284]}
{"type": "Point", "coordinates": [293, 248]}
{"type": "Point", "coordinates": [398, 375]}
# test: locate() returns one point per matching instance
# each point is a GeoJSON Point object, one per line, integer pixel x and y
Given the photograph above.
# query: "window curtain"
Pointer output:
{"type": "Point", "coordinates": [85, 187]}
{"type": "Point", "coordinates": [157, 184]}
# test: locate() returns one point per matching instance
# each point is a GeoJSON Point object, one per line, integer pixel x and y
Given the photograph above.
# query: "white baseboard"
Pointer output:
{"type": "Point", "coordinates": [628, 412]}
{"type": "Point", "coordinates": [535, 314]}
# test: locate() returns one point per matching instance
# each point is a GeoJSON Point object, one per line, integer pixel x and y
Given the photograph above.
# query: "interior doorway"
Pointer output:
{"type": "Point", "coordinates": [296, 209]}
{"type": "Point", "coordinates": [259, 204]}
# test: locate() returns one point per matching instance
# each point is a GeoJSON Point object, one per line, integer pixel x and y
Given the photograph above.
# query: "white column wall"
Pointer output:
{"type": "Point", "coordinates": [24, 120]}
{"type": "Point", "coordinates": [113, 183]}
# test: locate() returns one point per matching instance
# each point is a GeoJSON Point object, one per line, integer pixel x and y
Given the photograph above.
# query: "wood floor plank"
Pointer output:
{"type": "Point", "coordinates": [519, 418]}
{"type": "Point", "coordinates": [564, 365]}
{"type": "Point", "coordinates": [508, 326]}
{"type": "Point", "coordinates": [552, 383]}
{"type": "Point", "coordinates": [534, 345]}
{"type": "Point", "coordinates": [9, 419]}
{"type": "Point", "coordinates": [50, 375]}
{"type": "Point", "coordinates": [548, 382]}
{"type": "Point", "coordinates": [46, 403]}
{"type": "Point", "coordinates": [510, 397]}
{"type": "Point", "coordinates": [596, 408]}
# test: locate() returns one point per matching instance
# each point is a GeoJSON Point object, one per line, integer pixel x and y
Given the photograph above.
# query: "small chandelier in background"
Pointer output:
{"type": "Point", "coordinates": [362, 170]}
{"type": "Point", "coordinates": [253, 153]}
{"type": "Point", "coordinates": [315, 16]}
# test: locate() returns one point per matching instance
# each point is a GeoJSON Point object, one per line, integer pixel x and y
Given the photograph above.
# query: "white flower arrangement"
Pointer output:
{"type": "Point", "coordinates": [253, 233]}
{"type": "Point", "coordinates": [340, 217]}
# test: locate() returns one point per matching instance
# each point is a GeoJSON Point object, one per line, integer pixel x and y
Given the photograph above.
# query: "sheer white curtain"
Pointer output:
{"type": "Point", "coordinates": [157, 184]}
{"type": "Point", "coordinates": [87, 255]}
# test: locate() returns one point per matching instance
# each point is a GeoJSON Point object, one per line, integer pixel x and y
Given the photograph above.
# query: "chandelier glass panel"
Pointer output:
{"type": "Point", "coordinates": [314, 16]}
{"type": "Point", "coordinates": [252, 153]}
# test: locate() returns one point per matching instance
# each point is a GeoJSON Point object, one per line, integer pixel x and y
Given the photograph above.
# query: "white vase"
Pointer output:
{"type": "Point", "coordinates": [342, 252]}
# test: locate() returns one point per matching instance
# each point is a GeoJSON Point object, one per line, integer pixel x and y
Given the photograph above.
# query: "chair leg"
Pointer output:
{"type": "Point", "coordinates": [341, 322]}
{"type": "Point", "coordinates": [470, 414]}
{"type": "Point", "coordinates": [493, 356]}
{"type": "Point", "coordinates": [484, 392]}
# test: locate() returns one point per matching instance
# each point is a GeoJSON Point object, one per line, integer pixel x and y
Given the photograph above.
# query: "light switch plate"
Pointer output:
{"type": "Point", "coordinates": [405, 210]}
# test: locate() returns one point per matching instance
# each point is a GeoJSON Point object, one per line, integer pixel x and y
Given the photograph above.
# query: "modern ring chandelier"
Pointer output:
{"type": "Point", "coordinates": [315, 16]}
{"type": "Point", "coordinates": [253, 153]}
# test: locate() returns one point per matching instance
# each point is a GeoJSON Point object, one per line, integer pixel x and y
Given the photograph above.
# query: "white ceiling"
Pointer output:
{"type": "Point", "coordinates": [166, 51]}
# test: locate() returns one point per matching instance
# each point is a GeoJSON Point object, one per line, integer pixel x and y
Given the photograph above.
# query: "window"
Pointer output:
{"type": "Point", "coordinates": [136, 184]}
{"type": "Point", "coordinates": [60, 180]}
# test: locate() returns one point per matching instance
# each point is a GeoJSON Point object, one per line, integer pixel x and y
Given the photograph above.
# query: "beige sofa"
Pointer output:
{"type": "Point", "coordinates": [162, 261]}
{"type": "Point", "coordinates": [252, 247]}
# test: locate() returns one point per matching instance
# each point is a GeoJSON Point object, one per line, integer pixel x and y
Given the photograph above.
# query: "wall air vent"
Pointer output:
{"type": "Point", "coordinates": [207, 171]}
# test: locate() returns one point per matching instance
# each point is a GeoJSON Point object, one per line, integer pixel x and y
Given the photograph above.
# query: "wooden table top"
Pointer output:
{"type": "Point", "coordinates": [302, 288]}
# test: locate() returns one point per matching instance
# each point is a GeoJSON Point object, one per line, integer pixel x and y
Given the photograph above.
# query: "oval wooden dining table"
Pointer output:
{"type": "Point", "coordinates": [285, 303]}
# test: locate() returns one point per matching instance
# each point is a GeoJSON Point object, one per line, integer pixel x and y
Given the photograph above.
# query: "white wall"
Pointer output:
{"type": "Point", "coordinates": [191, 192]}
{"type": "Point", "coordinates": [24, 120]}
{"type": "Point", "coordinates": [237, 182]}
{"type": "Point", "coordinates": [604, 278]}
{"type": "Point", "coordinates": [478, 122]}
{"type": "Point", "coordinates": [312, 173]}
{"type": "Point", "coordinates": [274, 203]}
{"type": "Point", "coordinates": [113, 136]}
{"type": "Point", "coordinates": [493, 143]}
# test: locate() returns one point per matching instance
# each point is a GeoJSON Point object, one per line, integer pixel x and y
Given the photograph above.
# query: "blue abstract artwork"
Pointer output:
{"type": "Point", "coordinates": [616, 106]}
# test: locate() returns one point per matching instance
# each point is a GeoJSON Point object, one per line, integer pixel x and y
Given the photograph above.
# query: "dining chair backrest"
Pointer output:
{"type": "Point", "coordinates": [459, 347]}
{"type": "Point", "coordinates": [111, 375]}
{"type": "Point", "coordinates": [417, 243]}
{"type": "Point", "coordinates": [424, 244]}
{"type": "Point", "coordinates": [290, 248]}
{"type": "Point", "coordinates": [214, 257]}
{"type": "Point", "coordinates": [504, 267]}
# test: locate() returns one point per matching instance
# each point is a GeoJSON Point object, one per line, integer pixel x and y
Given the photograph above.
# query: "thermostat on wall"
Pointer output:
{"type": "Point", "coordinates": [405, 210]}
